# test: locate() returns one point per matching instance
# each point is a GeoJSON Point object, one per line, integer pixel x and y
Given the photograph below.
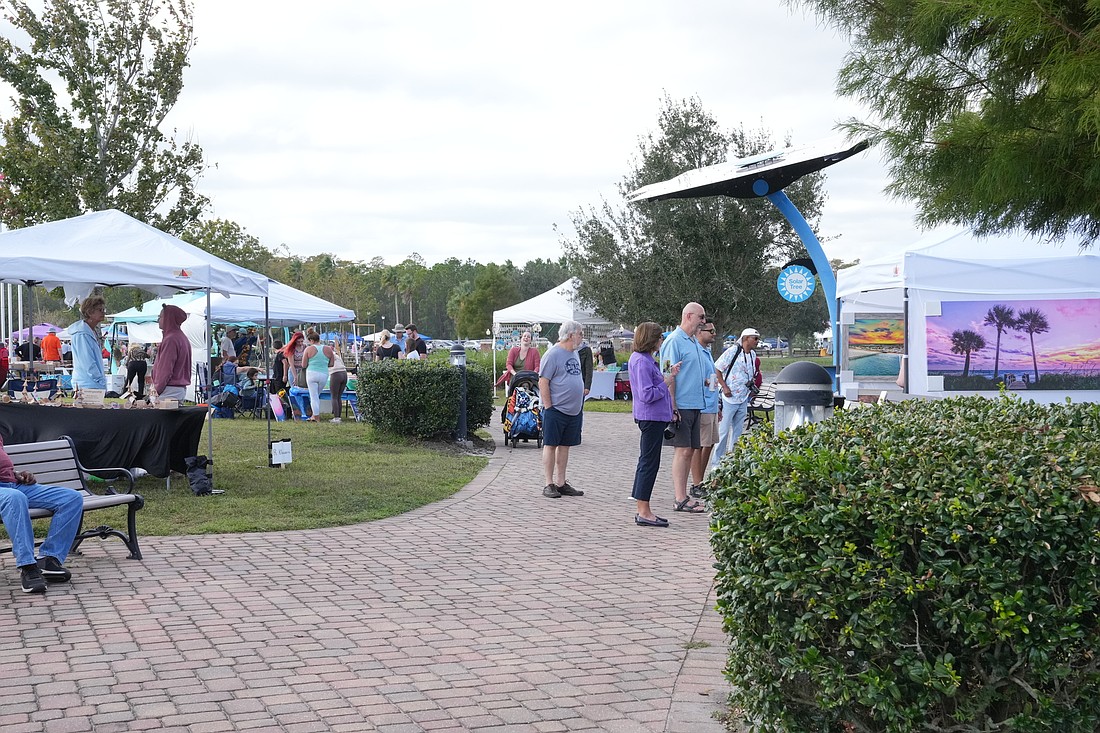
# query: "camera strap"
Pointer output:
{"type": "Point", "coordinates": [733, 361]}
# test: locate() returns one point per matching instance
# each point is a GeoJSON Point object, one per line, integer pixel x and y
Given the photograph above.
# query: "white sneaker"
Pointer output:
{"type": "Point", "coordinates": [336, 419]}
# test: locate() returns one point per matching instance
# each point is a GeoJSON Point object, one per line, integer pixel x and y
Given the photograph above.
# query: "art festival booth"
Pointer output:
{"type": "Point", "coordinates": [109, 248]}
{"type": "Point", "coordinates": [285, 307]}
{"type": "Point", "coordinates": [556, 305]}
{"type": "Point", "coordinates": [956, 313]}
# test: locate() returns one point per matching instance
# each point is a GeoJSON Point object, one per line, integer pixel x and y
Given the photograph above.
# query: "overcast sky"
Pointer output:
{"type": "Point", "coordinates": [365, 129]}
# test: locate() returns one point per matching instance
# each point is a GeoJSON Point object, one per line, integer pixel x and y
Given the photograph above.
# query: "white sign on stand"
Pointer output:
{"type": "Point", "coordinates": [281, 453]}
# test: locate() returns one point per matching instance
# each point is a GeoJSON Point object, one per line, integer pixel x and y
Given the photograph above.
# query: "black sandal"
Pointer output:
{"type": "Point", "coordinates": [690, 506]}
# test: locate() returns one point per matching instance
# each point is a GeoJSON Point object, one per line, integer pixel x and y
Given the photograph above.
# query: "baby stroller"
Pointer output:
{"type": "Point", "coordinates": [522, 414]}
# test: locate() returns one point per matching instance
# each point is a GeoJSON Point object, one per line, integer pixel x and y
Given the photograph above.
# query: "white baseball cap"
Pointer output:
{"type": "Point", "coordinates": [750, 332]}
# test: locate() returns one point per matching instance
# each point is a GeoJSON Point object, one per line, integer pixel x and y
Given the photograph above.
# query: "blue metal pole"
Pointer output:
{"type": "Point", "coordinates": [821, 262]}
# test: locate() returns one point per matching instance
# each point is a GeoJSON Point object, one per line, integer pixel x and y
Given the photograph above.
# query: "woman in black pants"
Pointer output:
{"type": "Point", "coordinates": [136, 366]}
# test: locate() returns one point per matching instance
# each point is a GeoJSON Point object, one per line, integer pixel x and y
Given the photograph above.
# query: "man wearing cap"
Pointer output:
{"type": "Point", "coordinates": [737, 365]}
{"type": "Point", "coordinates": [51, 346]}
{"type": "Point", "coordinates": [687, 399]}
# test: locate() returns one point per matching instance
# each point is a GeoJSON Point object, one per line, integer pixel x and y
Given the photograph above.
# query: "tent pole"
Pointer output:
{"type": "Point", "coordinates": [20, 292]}
{"type": "Point", "coordinates": [266, 356]}
{"type": "Point", "coordinates": [905, 361]}
{"type": "Point", "coordinates": [210, 367]}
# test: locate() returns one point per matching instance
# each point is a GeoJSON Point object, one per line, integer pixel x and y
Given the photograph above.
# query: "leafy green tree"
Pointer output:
{"type": "Point", "coordinates": [493, 290]}
{"type": "Point", "coordinates": [644, 262]}
{"type": "Point", "coordinates": [92, 83]}
{"type": "Point", "coordinates": [990, 110]}
{"type": "Point", "coordinates": [966, 342]}
{"type": "Point", "coordinates": [539, 275]}
{"type": "Point", "coordinates": [1002, 318]}
{"type": "Point", "coordinates": [228, 240]}
{"type": "Point", "coordinates": [1031, 322]}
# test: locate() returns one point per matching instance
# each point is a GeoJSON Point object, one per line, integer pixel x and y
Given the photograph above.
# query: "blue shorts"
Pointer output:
{"type": "Point", "coordinates": [561, 429]}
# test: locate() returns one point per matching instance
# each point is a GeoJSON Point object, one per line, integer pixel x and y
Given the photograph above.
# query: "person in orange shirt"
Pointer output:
{"type": "Point", "coordinates": [51, 346]}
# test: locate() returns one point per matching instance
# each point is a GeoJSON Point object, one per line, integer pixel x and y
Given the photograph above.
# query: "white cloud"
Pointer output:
{"type": "Point", "coordinates": [470, 129]}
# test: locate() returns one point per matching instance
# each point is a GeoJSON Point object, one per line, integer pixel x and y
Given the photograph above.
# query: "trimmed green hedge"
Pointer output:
{"type": "Point", "coordinates": [421, 398]}
{"type": "Point", "coordinates": [922, 566]}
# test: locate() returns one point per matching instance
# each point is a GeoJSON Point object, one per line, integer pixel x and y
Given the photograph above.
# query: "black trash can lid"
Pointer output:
{"type": "Point", "coordinates": [805, 372]}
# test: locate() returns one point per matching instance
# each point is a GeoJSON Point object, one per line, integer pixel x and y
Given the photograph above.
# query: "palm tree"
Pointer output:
{"type": "Point", "coordinates": [1032, 321]}
{"type": "Point", "coordinates": [965, 342]}
{"type": "Point", "coordinates": [1002, 318]}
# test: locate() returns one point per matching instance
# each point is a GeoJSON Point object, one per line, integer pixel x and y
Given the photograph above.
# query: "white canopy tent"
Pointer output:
{"type": "Point", "coordinates": [105, 248]}
{"type": "Point", "coordinates": [287, 306]}
{"type": "Point", "coordinates": [111, 248]}
{"type": "Point", "coordinates": [957, 267]}
{"type": "Point", "coordinates": [554, 306]}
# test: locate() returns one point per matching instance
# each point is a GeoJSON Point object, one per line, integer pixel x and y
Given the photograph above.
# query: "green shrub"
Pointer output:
{"type": "Point", "coordinates": [421, 398]}
{"type": "Point", "coordinates": [922, 566]}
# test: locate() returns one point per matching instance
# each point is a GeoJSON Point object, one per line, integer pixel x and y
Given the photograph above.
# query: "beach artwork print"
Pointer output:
{"type": "Point", "coordinates": [1020, 344]}
{"type": "Point", "coordinates": [875, 345]}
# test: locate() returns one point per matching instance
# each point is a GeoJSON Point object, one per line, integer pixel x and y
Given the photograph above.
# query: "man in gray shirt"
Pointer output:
{"type": "Point", "coordinates": [561, 394]}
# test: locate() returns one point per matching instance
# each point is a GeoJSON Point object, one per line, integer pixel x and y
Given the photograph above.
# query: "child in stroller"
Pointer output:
{"type": "Point", "coordinates": [522, 413]}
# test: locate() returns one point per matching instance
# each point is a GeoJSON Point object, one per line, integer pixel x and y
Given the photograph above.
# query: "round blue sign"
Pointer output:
{"type": "Point", "coordinates": [796, 283]}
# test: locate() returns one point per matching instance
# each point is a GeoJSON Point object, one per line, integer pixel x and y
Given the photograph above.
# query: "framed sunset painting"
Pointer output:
{"type": "Point", "coordinates": [1016, 344]}
{"type": "Point", "coordinates": [875, 343]}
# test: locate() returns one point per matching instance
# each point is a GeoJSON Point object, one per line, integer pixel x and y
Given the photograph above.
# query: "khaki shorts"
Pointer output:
{"type": "Point", "coordinates": [708, 429]}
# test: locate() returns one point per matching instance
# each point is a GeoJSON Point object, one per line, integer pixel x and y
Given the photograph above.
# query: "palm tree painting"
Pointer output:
{"type": "Point", "coordinates": [1002, 318]}
{"type": "Point", "coordinates": [966, 342]}
{"type": "Point", "coordinates": [1031, 322]}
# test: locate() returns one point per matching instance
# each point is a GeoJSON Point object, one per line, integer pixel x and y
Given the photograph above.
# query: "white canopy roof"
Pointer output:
{"type": "Point", "coordinates": [111, 248]}
{"type": "Point", "coordinates": [287, 306]}
{"type": "Point", "coordinates": [959, 261]}
{"type": "Point", "coordinates": [554, 306]}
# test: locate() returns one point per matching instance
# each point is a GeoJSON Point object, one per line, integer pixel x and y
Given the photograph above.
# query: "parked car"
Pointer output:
{"type": "Point", "coordinates": [770, 344]}
{"type": "Point", "coordinates": [473, 345]}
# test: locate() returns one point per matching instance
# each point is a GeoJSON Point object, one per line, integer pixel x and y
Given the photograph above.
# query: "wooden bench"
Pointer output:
{"type": "Point", "coordinates": [761, 407]}
{"type": "Point", "coordinates": [55, 463]}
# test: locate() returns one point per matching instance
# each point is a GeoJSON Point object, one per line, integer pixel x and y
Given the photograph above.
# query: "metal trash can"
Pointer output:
{"type": "Point", "coordinates": [803, 395]}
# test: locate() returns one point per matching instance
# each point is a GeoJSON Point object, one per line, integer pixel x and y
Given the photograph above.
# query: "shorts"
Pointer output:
{"type": "Point", "coordinates": [687, 435]}
{"type": "Point", "coordinates": [708, 429]}
{"type": "Point", "coordinates": [559, 429]}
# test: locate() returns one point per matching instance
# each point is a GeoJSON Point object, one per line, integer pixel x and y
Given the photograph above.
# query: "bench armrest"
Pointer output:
{"type": "Point", "coordinates": [120, 472]}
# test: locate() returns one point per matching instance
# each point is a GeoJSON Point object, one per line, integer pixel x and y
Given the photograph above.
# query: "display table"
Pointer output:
{"type": "Point", "coordinates": [156, 440]}
{"type": "Point", "coordinates": [603, 386]}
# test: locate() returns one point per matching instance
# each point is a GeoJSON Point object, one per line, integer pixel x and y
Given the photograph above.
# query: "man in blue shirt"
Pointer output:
{"type": "Point", "coordinates": [708, 418]}
{"type": "Point", "coordinates": [687, 399]}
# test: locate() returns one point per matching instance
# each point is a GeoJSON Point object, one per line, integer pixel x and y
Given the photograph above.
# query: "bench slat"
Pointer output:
{"type": "Point", "coordinates": [55, 463]}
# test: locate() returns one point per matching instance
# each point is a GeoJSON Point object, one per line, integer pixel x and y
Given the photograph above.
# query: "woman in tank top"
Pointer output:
{"type": "Point", "coordinates": [316, 359]}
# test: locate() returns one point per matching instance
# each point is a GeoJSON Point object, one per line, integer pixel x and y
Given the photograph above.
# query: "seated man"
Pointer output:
{"type": "Point", "coordinates": [19, 492]}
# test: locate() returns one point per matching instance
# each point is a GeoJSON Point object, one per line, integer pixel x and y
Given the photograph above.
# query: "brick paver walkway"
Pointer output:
{"type": "Point", "coordinates": [495, 610]}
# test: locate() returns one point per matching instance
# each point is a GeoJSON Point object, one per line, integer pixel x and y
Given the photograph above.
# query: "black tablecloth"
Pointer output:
{"type": "Point", "coordinates": [156, 440]}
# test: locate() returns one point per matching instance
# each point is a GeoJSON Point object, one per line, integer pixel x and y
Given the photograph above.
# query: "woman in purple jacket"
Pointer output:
{"type": "Point", "coordinates": [652, 412]}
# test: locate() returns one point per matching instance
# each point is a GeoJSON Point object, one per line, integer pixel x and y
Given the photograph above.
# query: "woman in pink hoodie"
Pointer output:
{"type": "Point", "coordinates": [172, 367]}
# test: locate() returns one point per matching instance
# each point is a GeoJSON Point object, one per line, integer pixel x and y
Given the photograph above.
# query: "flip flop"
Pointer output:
{"type": "Point", "coordinates": [690, 506]}
{"type": "Point", "coordinates": [655, 522]}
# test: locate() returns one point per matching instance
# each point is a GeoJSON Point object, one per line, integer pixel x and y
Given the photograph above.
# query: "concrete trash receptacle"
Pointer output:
{"type": "Point", "coordinates": [803, 395]}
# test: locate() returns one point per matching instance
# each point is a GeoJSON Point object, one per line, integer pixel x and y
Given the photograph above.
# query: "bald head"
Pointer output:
{"type": "Point", "coordinates": [691, 318]}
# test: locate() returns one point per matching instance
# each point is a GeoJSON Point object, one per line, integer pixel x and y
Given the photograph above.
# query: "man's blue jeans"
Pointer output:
{"type": "Point", "coordinates": [68, 509]}
{"type": "Point", "coordinates": [729, 429]}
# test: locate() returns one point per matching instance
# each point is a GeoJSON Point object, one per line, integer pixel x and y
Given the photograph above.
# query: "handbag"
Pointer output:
{"type": "Point", "coordinates": [300, 377]}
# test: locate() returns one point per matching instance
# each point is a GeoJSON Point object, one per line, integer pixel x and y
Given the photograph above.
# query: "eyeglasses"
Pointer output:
{"type": "Point", "coordinates": [708, 330]}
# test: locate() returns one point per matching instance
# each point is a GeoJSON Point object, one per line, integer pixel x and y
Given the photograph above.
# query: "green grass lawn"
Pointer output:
{"type": "Point", "coordinates": [340, 474]}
